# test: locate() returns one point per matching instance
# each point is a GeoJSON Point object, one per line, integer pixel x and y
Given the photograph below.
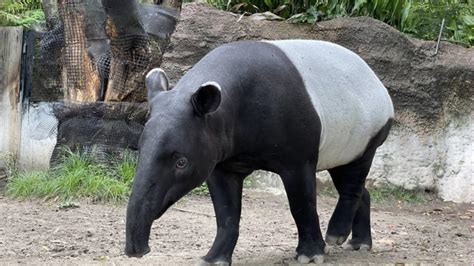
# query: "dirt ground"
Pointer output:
{"type": "Point", "coordinates": [36, 232]}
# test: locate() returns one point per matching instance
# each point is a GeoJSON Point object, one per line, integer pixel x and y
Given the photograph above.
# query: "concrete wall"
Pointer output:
{"type": "Point", "coordinates": [38, 136]}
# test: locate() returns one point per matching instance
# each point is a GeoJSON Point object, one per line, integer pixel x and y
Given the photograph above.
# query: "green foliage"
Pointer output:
{"type": "Point", "coordinates": [221, 4]}
{"type": "Point", "coordinates": [203, 190]}
{"type": "Point", "coordinates": [426, 16]}
{"type": "Point", "coordinates": [78, 176]}
{"type": "Point", "coordinates": [309, 16]}
{"type": "Point", "coordinates": [21, 12]}
{"type": "Point", "coordinates": [420, 18]}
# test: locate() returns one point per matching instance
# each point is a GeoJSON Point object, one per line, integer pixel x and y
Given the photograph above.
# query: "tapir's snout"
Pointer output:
{"type": "Point", "coordinates": [138, 225]}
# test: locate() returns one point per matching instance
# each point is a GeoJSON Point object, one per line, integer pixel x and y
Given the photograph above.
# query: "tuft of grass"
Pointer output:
{"type": "Point", "coordinates": [388, 193]}
{"type": "Point", "coordinates": [81, 176]}
{"type": "Point", "coordinates": [126, 168]}
{"type": "Point", "coordinates": [23, 185]}
{"type": "Point", "coordinates": [77, 176]}
{"type": "Point", "coordinates": [391, 193]}
{"type": "Point", "coordinates": [203, 190]}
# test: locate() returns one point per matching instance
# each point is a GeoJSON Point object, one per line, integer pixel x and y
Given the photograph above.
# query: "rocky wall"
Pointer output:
{"type": "Point", "coordinates": [430, 146]}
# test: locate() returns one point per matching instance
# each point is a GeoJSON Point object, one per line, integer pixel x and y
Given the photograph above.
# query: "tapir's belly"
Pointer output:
{"type": "Point", "coordinates": [352, 103]}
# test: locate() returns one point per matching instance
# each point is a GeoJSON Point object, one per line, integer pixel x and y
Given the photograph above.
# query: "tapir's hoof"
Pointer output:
{"type": "Point", "coordinates": [137, 254]}
{"type": "Point", "coordinates": [202, 262]}
{"type": "Point", "coordinates": [318, 259]}
{"type": "Point", "coordinates": [354, 246]}
{"type": "Point", "coordinates": [335, 240]}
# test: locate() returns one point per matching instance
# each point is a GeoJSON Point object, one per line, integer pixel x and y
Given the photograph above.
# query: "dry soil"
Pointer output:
{"type": "Point", "coordinates": [36, 232]}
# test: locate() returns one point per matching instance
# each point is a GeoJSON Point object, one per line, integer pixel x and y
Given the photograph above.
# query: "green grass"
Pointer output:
{"type": "Point", "coordinates": [78, 176]}
{"type": "Point", "coordinates": [203, 190]}
{"type": "Point", "coordinates": [383, 194]}
{"type": "Point", "coordinates": [392, 193]}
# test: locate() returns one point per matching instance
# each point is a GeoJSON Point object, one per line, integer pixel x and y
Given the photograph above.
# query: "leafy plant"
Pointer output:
{"type": "Point", "coordinates": [426, 16]}
{"type": "Point", "coordinates": [221, 4]}
{"type": "Point", "coordinates": [282, 8]}
{"type": "Point", "coordinates": [309, 16]}
{"type": "Point", "coordinates": [21, 13]}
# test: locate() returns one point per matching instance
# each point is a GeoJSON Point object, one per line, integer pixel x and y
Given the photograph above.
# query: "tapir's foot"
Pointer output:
{"type": "Point", "coordinates": [318, 259]}
{"type": "Point", "coordinates": [335, 239]}
{"type": "Point", "coordinates": [311, 252]}
{"type": "Point", "coordinates": [357, 244]}
{"type": "Point", "coordinates": [203, 262]}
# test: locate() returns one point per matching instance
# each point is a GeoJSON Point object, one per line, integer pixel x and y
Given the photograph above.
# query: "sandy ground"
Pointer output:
{"type": "Point", "coordinates": [37, 232]}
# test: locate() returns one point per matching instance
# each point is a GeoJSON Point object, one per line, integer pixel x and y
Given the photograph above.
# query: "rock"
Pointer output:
{"type": "Point", "coordinates": [429, 147]}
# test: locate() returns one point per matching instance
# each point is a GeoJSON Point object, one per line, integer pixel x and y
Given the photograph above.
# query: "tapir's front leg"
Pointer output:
{"type": "Point", "coordinates": [226, 193]}
{"type": "Point", "coordinates": [300, 186]}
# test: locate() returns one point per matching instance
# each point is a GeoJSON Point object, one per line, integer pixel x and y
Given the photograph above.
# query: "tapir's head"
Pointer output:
{"type": "Point", "coordinates": [177, 153]}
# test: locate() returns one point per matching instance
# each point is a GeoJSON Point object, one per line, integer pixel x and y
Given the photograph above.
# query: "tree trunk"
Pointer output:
{"type": "Point", "coordinates": [130, 52]}
{"type": "Point", "coordinates": [80, 79]}
{"type": "Point", "coordinates": [50, 9]}
{"type": "Point", "coordinates": [133, 51]}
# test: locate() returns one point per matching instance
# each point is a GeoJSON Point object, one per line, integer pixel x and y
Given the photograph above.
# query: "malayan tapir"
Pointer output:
{"type": "Point", "coordinates": [293, 107]}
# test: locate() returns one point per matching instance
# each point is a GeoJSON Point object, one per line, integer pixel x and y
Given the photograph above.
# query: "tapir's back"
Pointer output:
{"type": "Point", "coordinates": [352, 103]}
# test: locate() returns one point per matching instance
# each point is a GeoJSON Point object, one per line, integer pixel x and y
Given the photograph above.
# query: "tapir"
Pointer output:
{"type": "Point", "coordinates": [292, 107]}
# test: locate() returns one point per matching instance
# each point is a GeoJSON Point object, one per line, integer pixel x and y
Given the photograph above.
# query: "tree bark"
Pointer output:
{"type": "Point", "coordinates": [133, 51]}
{"type": "Point", "coordinates": [50, 9]}
{"type": "Point", "coordinates": [80, 79]}
{"type": "Point", "coordinates": [130, 52]}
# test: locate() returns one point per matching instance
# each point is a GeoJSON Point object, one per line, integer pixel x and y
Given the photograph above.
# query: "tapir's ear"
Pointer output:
{"type": "Point", "coordinates": [207, 98]}
{"type": "Point", "coordinates": [156, 81]}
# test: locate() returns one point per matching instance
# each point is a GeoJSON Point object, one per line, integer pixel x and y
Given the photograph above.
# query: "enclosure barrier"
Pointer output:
{"type": "Point", "coordinates": [10, 108]}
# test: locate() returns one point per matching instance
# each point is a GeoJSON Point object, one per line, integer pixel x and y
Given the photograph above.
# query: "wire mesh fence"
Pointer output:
{"type": "Point", "coordinates": [92, 72]}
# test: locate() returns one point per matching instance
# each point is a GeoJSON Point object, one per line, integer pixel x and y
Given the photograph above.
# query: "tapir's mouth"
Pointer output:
{"type": "Point", "coordinates": [134, 253]}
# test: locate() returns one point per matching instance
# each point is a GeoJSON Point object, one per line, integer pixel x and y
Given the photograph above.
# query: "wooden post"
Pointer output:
{"type": "Point", "coordinates": [10, 62]}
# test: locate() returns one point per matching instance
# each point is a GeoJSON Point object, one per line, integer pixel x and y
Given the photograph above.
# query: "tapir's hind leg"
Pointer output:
{"type": "Point", "coordinates": [352, 211]}
{"type": "Point", "coordinates": [349, 181]}
{"type": "Point", "coordinates": [300, 186]}
{"type": "Point", "coordinates": [361, 235]}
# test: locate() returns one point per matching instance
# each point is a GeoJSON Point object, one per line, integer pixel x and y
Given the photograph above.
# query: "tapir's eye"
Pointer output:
{"type": "Point", "coordinates": [181, 163]}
